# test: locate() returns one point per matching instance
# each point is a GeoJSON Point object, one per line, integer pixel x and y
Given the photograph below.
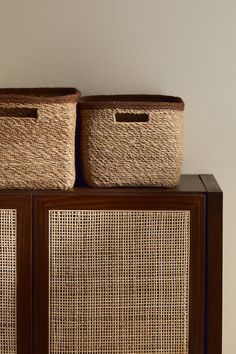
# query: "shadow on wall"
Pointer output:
{"type": "Point", "coordinates": [79, 182]}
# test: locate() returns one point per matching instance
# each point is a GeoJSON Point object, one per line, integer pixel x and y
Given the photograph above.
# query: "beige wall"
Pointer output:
{"type": "Point", "coordinates": [179, 47]}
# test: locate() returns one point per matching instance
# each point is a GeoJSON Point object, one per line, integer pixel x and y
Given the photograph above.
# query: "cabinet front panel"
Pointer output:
{"type": "Point", "coordinates": [119, 281]}
{"type": "Point", "coordinates": [8, 248]}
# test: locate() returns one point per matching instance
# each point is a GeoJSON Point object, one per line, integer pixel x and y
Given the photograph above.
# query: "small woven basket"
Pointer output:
{"type": "Point", "coordinates": [37, 137]}
{"type": "Point", "coordinates": [131, 140]}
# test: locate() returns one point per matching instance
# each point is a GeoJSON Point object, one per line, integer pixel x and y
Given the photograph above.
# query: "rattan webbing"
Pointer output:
{"type": "Point", "coordinates": [7, 281]}
{"type": "Point", "coordinates": [119, 282]}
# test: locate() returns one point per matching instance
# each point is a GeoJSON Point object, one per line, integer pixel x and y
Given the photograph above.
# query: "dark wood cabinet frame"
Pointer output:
{"type": "Point", "coordinates": [214, 262]}
{"type": "Point", "coordinates": [21, 201]}
{"type": "Point", "coordinates": [199, 194]}
{"type": "Point", "coordinates": [124, 199]}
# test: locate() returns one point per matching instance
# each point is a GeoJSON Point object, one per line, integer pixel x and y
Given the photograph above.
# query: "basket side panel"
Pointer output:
{"type": "Point", "coordinates": [129, 153]}
{"type": "Point", "coordinates": [38, 152]}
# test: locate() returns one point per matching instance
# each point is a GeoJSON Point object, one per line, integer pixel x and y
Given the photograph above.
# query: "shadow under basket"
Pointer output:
{"type": "Point", "coordinates": [131, 140]}
{"type": "Point", "coordinates": [37, 130]}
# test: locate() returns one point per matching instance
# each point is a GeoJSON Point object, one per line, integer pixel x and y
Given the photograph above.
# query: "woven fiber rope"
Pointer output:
{"type": "Point", "coordinates": [131, 143]}
{"type": "Point", "coordinates": [119, 282]}
{"type": "Point", "coordinates": [7, 281]}
{"type": "Point", "coordinates": [37, 130]}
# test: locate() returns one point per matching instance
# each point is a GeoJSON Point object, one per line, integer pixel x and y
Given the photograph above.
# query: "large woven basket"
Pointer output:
{"type": "Point", "coordinates": [37, 137]}
{"type": "Point", "coordinates": [131, 140]}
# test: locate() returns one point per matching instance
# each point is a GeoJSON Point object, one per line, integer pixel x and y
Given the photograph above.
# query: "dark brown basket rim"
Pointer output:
{"type": "Point", "coordinates": [39, 95]}
{"type": "Point", "coordinates": [143, 101]}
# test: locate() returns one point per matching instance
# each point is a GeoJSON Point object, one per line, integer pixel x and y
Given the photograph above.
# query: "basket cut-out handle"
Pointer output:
{"type": "Point", "coordinates": [131, 117]}
{"type": "Point", "coordinates": [18, 112]}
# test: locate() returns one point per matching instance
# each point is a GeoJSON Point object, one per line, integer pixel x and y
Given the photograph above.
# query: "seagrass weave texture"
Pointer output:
{"type": "Point", "coordinates": [119, 282]}
{"type": "Point", "coordinates": [148, 152]}
{"type": "Point", "coordinates": [37, 130]}
{"type": "Point", "coordinates": [7, 281]}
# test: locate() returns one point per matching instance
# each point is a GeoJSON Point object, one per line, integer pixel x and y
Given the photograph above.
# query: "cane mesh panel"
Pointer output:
{"type": "Point", "coordinates": [119, 282]}
{"type": "Point", "coordinates": [7, 281]}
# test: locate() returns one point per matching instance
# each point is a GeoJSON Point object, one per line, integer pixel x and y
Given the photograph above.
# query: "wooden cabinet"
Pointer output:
{"type": "Point", "coordinates": [117, 270]}
{"type": "Point", "coordinates": [15, 273]}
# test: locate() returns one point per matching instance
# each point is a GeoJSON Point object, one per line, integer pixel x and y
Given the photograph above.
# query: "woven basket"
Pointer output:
{"type": "Point", "coordinates": [131, 140]}
{"type": "Point", "coordinates": [37, 130]}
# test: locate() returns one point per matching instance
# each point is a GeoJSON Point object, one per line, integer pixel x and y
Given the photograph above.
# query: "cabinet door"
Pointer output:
{"type": "Point", "coordinates": [15, 274]}
{"type": "Point", "coordinates": [119, 273]}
